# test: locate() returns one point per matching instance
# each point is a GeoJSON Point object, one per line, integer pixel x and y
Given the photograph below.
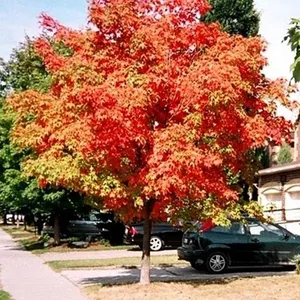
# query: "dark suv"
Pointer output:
{"type": "Point", "coordinates": [95, 224]}
{"type": "Point", "coordinates": [254, 243]}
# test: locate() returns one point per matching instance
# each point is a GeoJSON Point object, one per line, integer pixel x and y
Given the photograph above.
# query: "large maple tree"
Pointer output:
{"type": "Point", "coordinates": [149, 110]}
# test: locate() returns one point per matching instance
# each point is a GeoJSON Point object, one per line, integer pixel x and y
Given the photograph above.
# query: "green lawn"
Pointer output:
{"type": "Point", "coordinates": [31, 242]}
{"type": "Point", "coordinates": [18, 232]}
{"type": "Point", "coordinates": [93, 247]}
{"type": "Point", "coordinates": [4, 295]}
{"type": "Point", "coordinates": [163, 261]}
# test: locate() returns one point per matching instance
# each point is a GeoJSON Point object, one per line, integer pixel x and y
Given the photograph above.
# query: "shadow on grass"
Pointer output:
{"type": "Point", "coordinates": [187, 275]}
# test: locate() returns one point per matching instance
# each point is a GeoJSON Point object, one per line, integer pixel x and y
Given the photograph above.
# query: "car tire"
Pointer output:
{"type": "Point", "coordinates": [216, 263]}
{"type": "Point", "coordinates": [156, 243]}
{"type": "Point", "coordinates": [198, 267]}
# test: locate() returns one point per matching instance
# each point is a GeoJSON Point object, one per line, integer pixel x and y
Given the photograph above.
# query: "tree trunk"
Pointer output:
{"type": "Point", "coordinates": [56, 230]}
{"type": "Point", "coordinates": [25, 223]}
{"type": "Point", "coordinates": [18, 221]}
{"type": "Point", "coordinates": [245, 193]}
{"type": "Point", "coordinates": [13, 221]}
{"type": "Point", "coordinates": [254, 193]}
{"type": "Point", "coordinates": [4, 219]}
{"type": "Point", "coordinates": [39, 224]}
{"type": "Point", "coordinates": [145, 267]}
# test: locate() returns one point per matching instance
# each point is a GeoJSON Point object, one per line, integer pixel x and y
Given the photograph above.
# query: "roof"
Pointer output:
{"type": "Point", "coordinates": [279, 169]}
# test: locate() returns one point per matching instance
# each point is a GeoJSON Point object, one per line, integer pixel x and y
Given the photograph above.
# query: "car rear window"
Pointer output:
{"type": "Point", "coordinates": [234, 228]}
{"type": "Point", "coordinates": [103, 217]}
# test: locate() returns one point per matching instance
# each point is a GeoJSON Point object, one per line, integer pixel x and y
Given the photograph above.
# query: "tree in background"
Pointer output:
{"type": "Point", "coordinates": [235, 17]}
{"type": "Point", "coordinates": [293, 39]}
{"type": "Point", "coordinates": [240, 17]}
{"type": "Point", "coordinates": [150, 111]}
{"type": "Point", "coordinates": [11, 181]}
{"type": "Point", "coordinates": [26, 70]}
{"type": "Point", "coordinates": [285, 154]}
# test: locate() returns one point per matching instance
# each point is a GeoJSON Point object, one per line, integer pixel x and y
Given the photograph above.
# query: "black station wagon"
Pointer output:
{"type": "Point", "coordinates": [255, 243]}
{"type": "Point", "coordinates": [162, 235]}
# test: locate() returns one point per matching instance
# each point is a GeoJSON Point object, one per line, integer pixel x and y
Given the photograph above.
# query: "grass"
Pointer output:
{"type": "Point", "coordinates": [32, 242]}
{"type": "Point", "coordinates": [162, 261]}
{"type": "Point", "coordinates": [95, 246]}
{"type": "Point", "coordinates": [262, 288]}
{"type": "Point", "coordinates": [4, 295]}
{"type": "Point", "coordinates": [18, 233]}
{"type": "Point", "coordinates": [27, 238]}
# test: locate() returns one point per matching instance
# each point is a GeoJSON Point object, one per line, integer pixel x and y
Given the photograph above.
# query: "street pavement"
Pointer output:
{"type": "Point", "coordinates": [179, 273]}
{"type": "Point", "coordinates": [26, 277]}
{"type": "Point", "coordinates": [99, 254]}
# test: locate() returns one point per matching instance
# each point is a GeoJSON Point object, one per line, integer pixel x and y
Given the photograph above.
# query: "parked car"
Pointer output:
{"type": "Point", "coordinates": [95, 225]}
{"type": "Point", "coordinates": [162, 235]}
{"type": "Point", "coordinates": [254, 243]}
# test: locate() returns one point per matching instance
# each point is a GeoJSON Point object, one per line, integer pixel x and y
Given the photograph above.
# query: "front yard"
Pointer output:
{"type": "Point", "coordinates": [262, 288]}
{"type": "Point", "coordinates": [128, 262]}
{"type": "Point", "coordinates": [34, 243]}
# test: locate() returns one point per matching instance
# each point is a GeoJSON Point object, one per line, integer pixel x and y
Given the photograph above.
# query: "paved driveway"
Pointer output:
{"type": "Point", "coordinates": [123, 275]}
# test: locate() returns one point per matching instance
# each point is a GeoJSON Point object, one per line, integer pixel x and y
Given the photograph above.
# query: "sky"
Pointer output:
{"type": "Point", "coordinates": [20, 17]}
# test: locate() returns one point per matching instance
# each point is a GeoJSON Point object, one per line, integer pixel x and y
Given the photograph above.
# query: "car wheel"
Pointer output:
{"type": "Point", "coordinates": [216, 262]}
{"type": "Point", "coordinates": [156, 243]}
{"type": "Point", "coordinates": [196, 266]}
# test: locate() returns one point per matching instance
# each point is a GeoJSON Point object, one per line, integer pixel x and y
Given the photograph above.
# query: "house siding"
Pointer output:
{"type": "Point", "coordinates": [280, 187]}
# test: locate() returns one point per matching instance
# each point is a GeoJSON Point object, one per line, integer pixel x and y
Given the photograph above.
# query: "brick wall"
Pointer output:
{"type": "Point", "coordinates": [297, 140]}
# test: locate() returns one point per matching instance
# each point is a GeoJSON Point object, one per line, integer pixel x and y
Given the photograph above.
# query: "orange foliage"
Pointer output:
{"type": "Point", "coordinates": [150, 104]}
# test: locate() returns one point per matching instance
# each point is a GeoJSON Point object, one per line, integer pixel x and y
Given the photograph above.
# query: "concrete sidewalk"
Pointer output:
{"type": "Point", "coordinates": [100, 254]}
{"type": "Point", "coordinates": [25, 277]}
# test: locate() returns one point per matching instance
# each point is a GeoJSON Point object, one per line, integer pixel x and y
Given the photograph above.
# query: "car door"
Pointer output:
{"type": "Point", "coordinates": [170, 234]}
{"type": "Point", "coordinates": [77, 227]}
{"type": "Point", "coordinates": [289, 244]}
{"type": "Point", "coordinates": [174, 235]}
{"type": "Point", "coordinates": [233, 238]}
{"type": "Point", "coordinates": [83, 227]}
{"type": "Point", "coordinates": [269, 243]}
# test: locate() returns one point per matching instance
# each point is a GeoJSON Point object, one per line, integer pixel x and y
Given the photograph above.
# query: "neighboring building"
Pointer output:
{"type": "Point", "coordinates": [279, 189]}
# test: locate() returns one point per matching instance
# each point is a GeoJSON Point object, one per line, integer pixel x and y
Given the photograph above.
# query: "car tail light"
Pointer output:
{"type": "Point", "coordinates": [190, 241]}
{"type": "Point", "coordinates": [133, 231]}
{"type": "Point", "coordinates": [207, 225]}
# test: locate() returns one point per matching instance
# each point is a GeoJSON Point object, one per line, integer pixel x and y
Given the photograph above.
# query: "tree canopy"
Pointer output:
{"type": "Point", "coordinates": [149, 109]}
{"type": "Point", "coordinates": [293, 39]}
{"type": "Point", "coordinates": [25, 70]}
{"type": "Point", "coordinates": [235, 17]}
